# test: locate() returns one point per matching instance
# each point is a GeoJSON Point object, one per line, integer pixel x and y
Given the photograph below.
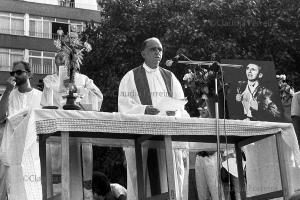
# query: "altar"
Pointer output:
{"type": "Point", "coordinates": [24, 151]}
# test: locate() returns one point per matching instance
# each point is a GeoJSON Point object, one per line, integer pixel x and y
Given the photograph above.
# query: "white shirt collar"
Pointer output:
{"type": "Point", "coordinates": [253, 85]}
{"type": "Point", "coordinates": [150, 70]}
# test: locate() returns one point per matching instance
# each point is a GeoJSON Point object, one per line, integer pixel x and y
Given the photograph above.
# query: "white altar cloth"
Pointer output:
{"type": "Point", "coordinates": [19, 148]}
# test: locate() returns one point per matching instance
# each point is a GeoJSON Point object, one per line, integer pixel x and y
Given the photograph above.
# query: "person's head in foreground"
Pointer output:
{"type": "Point", "coordinates": [21, 73]}
{"type": "Point", "coordinates": [104, 190]}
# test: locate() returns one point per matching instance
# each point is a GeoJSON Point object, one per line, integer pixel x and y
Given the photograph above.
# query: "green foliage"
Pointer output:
{"type": "Point", "coordinates": [225, 29]}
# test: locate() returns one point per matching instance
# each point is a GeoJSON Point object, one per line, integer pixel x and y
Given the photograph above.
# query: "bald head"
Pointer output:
{"type": "Point", "coordinates": [152, 52]}
{"type": "Point", "coordinates": [144, 44]}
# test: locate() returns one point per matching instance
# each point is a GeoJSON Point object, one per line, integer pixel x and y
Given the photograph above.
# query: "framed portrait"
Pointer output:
{"type": "Point", "coordinates": [252, 91]}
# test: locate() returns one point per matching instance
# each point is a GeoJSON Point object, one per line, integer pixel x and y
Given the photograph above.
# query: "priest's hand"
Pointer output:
{"type": "Point", "coordinates": [150, 110]}
{"type": "Point", "coordinates": [171, 113]}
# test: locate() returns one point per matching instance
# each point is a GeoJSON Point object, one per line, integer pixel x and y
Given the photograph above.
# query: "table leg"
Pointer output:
{"type": "Point", "coordinates": [282, 166]}
{"type": "Point", "coordinates": [65, 165]}
{"type": "Point", "coordinates": [239, 162]}
{"type": "Point", "coordinates": [43, 162]}
{"type": "Point", "coordinates": [49, 171]}
{"type": "Point", "coordinates": [139, 170]}
{"type": "Point", "coordinates": [170, 167]}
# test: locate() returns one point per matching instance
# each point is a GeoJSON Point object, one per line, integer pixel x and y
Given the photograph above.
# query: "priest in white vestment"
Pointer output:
{"type": "Point", "coordinates": [90, 99]}
{"type": "Point", "coordinates": [141, 91]}
{"type": "Point", "coordinates": [19, 96]}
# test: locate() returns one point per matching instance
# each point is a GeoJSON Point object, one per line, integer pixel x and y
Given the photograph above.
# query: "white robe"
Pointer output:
{"type": "Point", "coordinates": [91, 100]}
{"type": "Point", "coordinates": [129, 103]}
{"type": "Point", "coordinates": [91, 95]}
{"type": "Point", "coordinates": [18, 102]}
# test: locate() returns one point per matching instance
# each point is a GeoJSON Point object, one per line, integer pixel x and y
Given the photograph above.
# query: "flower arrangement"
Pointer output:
{"type": "Point", "coordinates": [285, 90]}
{"type": "Point", "coordinates": [72, 48]}
{"type": "Point", "coordinates": [200, 82]}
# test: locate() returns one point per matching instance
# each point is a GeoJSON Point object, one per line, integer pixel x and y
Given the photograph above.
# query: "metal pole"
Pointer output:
{"type": "Point", "coordinates": [218, 137]}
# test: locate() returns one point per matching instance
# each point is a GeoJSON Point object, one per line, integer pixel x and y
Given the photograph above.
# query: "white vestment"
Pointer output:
{"type": "Point", "coordinates": [91, 100]}
{"type": "Point", "coordinates": [91, 95]}
{"type": "Point", "coordinates": [19, 102]}
{"type": "Point", "coordinates": [129, 103]}
{"type": "Point", "coordinates": [11, 171]}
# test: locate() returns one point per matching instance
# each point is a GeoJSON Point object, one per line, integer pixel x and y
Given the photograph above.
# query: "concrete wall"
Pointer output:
{"type": "Point", "coordinates": [24, 42]}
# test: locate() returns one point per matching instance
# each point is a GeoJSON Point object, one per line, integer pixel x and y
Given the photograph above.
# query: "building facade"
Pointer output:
{"type": "Point", "coordinates": [28, 28]}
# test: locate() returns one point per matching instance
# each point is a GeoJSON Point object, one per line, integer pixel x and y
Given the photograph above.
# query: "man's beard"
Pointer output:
{"type": "Point", "coordinates": [21, 81]}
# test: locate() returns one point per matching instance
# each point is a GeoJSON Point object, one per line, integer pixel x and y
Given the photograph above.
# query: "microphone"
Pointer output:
{"type": "Point", "coordinates": [169, 63]}
{"type": "Point", "coordinates": [209, 64]}
{"type": "Point", "coordinates": [175, 59]}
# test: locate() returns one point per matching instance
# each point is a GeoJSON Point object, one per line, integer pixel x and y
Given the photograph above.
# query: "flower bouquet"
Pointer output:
{"type": "Point", "coordinates": [200, 82]}
{"type": "Point", "coordinates": [72, 48]}
{"type": "Point", "coordinates": [286, 95]}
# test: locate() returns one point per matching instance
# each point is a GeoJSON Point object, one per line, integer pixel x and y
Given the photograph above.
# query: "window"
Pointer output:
{"type": "Point", "coordinates": [42, 62]}
{"type": "Point", "coordinates": [12, 23]}
{"type": "Point", "coordinates": [4, 23]}
{"type": "Point", "coordinates": [78, 25]}
{"type": "Point", "coordinates": [56, 26]}
{"type": "Point", "coordinates": [8, 57]}
{"type": "Point", "coordinates": [40, 27]}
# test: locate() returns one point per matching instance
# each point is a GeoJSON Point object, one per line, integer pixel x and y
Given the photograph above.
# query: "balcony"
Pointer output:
{"type": "Point", "coordinates": [45, 69]}
{"type": "Point", "coordinates": [40, 34]}
{"type": "Point", "coordinates": [66, 3]}
{"type": "Point", "coordinates": [5, 68]}
{"type": "Point", "coordinates": [12, 31]}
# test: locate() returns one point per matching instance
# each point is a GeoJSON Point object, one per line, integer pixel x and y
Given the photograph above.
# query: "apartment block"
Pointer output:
{"type": "Point", "coordinates": [28, 28]}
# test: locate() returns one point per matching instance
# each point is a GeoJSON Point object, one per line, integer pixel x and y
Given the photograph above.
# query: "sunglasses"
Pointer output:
{"type": "Point", "coordinates": [18, 72]}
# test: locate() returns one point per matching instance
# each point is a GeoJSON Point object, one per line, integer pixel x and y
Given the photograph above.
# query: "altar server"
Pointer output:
{"type": "Point", "coordinates": [53, 92]}
{"type": "Point", "coordinates": [18, 96]}
{"type": "Point", "coordinates": [90, 98]}
{"type": "Point", "coordinates": [140, 92]}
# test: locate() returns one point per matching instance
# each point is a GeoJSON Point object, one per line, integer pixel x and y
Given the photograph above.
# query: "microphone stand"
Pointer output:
{"type": "Point", "coordinates": [215, 67]}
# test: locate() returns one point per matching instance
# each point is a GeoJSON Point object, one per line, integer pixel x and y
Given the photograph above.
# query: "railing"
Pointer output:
{"type": "Point", "coordinates": [31, 33]}
{"type": "Point", "coordinates": [40, 34]}
{"type": "Point", "coordinates": [5, 68]}
{"type": "Point", "coordinates": [46, 69]}
{"type": "Point", "coordinates": [12, 31]}
{"type": "Point", "coordinates": [66, 3]}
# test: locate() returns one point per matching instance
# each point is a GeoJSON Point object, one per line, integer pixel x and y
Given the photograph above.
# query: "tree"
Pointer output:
{"type": "Point", "coordinates": [228, 29]}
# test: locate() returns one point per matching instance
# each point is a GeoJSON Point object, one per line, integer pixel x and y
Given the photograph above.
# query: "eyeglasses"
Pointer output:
{"type": "Point", "coordinates": [18, 72]}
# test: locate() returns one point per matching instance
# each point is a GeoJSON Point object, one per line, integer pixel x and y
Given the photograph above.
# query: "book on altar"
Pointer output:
{"type": "Point", "coordinates": [62, 76]}
{"type": "Point", "coordinates": [170, 104]}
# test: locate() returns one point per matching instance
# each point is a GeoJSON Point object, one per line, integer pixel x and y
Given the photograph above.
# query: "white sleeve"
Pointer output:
{"type": "Point", "coordinates": [178, 94]}
{"type": "Point", "coordinates": [95, 90]}
{"type": "Point", "coordinates": [128, 98]}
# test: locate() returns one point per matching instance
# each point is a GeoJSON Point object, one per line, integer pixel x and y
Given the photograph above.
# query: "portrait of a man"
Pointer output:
{"type": "Point", "coordinates": [253, 91]}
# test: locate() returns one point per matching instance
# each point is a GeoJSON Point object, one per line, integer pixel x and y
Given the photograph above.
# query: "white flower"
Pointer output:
{"type": "Point", "coordinates": [204, 96]}
{"type": "Point", "coordinates": [169, 63]}
{"type": "Point", "coordinates": [87, 46]}
{"type": "Point", "coordinates": [281, 76]}
{"type": "Point", "coordinates": [188, 77]}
